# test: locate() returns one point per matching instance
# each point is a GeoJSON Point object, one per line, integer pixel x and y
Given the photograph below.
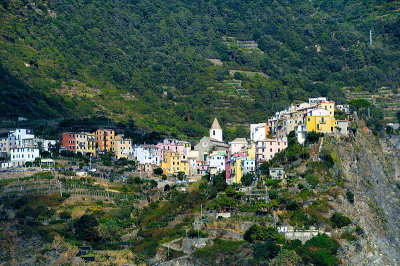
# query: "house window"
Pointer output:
{"type": "Point", "coordinates": [308, 119]}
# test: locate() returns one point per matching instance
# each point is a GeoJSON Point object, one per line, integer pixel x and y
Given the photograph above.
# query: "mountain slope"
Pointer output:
{"type": "Point", "coordinates": [371, 167]}
{"type": "Point", "coordinates": [145, 60]}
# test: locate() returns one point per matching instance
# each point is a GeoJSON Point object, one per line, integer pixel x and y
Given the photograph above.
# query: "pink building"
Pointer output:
{"type": "Point", "coordinates": [267, 148]}
{"type": "Point", "coordinates": [172, 145]}
{"type": "Point", "coordinates": [237, 145]}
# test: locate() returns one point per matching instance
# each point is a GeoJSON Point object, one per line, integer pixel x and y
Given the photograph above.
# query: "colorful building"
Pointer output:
{"type": "Point", "coordinates": [174, 163]}
{"type": "Point", "coordinates": [320, 120]}
{"type": "Point", "coordinates": [266, 149]}
{"type": "Point", "coordinates": [104, 139]}
{"type": "Point", "coordinates": [122, 148]}
{"type": "Point", "coordinates": [69, 141]}
{"type": "Point", "coordinates": [237, 145]}
{"type": "Point", "coordinates": [329, 106]}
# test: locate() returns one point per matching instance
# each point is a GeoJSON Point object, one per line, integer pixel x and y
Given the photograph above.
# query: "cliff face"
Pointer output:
{"type": "Point", "coordinates": [371, 167]}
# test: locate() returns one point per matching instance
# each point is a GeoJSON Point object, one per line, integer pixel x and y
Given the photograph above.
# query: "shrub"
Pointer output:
{"type": "Point", "coordinates": [266, 251]}
{"type": "Point", "coordinates": [196, 233]}
{"type": "Point", "coordinates": [338, 220]}
{"type": "Point", "coordinates": [320, 250]}
{"type": "Point", "coordinates": [65, 215]}
{"type": "Point", "coordinates": [293, 206]}
{"type": "Point", "coordinates": [359, 230]}
{"type": "Point", "coordinates": [312, 180]}
{"type": "Point", "coordinates": [350, 196]}
{"type": "Point", "coordinates": [158, 171]}
{"type": "Point", "coordinates": [348, 236]}
{"type": "Point", "coordinates": [313, 137]}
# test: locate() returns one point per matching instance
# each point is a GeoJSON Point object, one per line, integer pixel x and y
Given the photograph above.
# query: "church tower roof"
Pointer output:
{"type": "Point", "coordinates": [215, 124]}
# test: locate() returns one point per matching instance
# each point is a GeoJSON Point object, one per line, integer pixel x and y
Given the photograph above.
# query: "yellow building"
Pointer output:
{"type": "Point", "coordinates": [86, 143]}
{"type": "Point", "coordinates": [329, 106]}
{"type": "Point", "coordinates": [251, 151]}
{"type": "Point", "coordinates": [104, 139]}
{"type": "Point", "coordinates": [320, 121]}
{"type": "Point", "coordinates": [91, 144]}
{"type": "Point", "coordinates": [122, 148]}
{"type": "Point", "coordinates": [237, 171]}
{"type": "Point", "coordinates": [174, 163]}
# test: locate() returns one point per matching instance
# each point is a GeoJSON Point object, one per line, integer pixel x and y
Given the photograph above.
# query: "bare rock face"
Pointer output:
{"type": "Point", "coordinates": [371, 167]}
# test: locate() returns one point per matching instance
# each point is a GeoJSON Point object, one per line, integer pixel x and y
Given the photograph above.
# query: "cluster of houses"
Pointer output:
{"type": "Point", "coordinates": [21, 146]}
{"type": "Point", "coordinates": [211, 154]}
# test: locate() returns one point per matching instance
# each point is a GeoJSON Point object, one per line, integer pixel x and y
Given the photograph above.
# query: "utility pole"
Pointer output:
{"type": "Point", "coordinates": [266, 194]}
{"type": "Point", "coordinates": [370, 37]}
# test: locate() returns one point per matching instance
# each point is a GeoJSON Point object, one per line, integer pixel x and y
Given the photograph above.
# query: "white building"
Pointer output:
{"type": "Point", "coordinates": [301, 133]}
{"type": "Point", "coordinates": [4, 147]}
{"type": "Point", "coordinates": [317, 100]}
{"type": "Point", "coordinates": [147, 155]}
{"type": "Point", "coordinates": [216, 131]}
{"type": "Point", "coordinates": [248, 166]}
{"type": "Point", "coordinates": [277, 173]}
{"type": "Point", "coordinates": [342, 127]}
{"type": "Point", "coordinates": [345, 108]}
{"type": "Point", "coordinates": [19, 156]}
{"type": "Point", "coordinates": [259, 131]}
{"type": "Point", "coordinates": [15, 137]}
{"type": "Point", "coordinates": [217, 161]}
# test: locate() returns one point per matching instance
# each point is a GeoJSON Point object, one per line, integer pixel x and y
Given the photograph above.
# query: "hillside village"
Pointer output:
{"type": "Point", "coordinates": [188, 160]}
{"type": "Point", "coordinates": [302, 177]}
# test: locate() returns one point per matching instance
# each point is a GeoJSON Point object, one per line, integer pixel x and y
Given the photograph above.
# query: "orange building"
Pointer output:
{"type": "Point", "coordinates": [104, 139]}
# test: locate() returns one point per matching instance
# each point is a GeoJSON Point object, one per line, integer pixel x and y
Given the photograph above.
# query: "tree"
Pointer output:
{"type": "Point", "coordinates": [158, 171]}
{"type": "Point", "coordinates": [359, 103]}
{"type": "Point", "coordinates": [286, 257]}
{"type": "Point", "coordinates": [313, 137]}
{"type": "Point", "coordinates": [219, 182]}
{"type": "Point", "coordinates": [261, 233]}
{"type": "Point", "coordinates": [266, 251]}
{"type": "Point", "coordinates": [248, 179]}
{"type": "Point", "coordinates": [181, 176]}
{"type": "Point", "coordinates": [85, 228]}
{"type": "Point", "coordinates": [264, 168]}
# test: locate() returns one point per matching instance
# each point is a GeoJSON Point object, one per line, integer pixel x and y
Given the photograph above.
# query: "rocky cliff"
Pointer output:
{"type": "Point", "coordinates": [371, 168]}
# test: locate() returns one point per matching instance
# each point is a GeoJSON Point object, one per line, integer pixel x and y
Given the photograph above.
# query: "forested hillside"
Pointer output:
{"type": "Point", "coordinates": [146, 60]}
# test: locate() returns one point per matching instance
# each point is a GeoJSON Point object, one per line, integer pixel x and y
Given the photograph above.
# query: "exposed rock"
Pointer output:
{"type": "Point", "coordinates": [371, 167]}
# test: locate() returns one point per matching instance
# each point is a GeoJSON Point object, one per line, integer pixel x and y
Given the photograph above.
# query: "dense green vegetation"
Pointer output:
{"type": "Point", "coordinates": [115, 59]}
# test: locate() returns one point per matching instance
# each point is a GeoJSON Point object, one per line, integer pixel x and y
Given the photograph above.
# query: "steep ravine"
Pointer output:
{"type": "Point", "coordinates": [371, 168]}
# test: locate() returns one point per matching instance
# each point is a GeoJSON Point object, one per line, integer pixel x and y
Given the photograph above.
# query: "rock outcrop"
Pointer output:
{"type": "Point", "coordinates": [371, 167]}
